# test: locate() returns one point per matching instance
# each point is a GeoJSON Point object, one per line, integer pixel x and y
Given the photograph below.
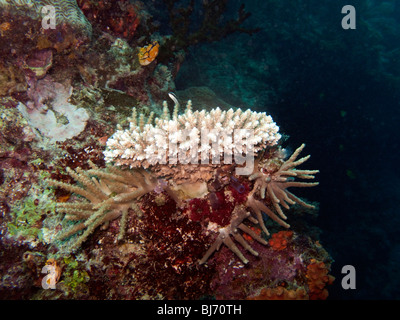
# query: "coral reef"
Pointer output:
{"type": "Point", "coordinates": [140, 211]}
{"type": "Point", "coordinates": [280, 240]}
{"type": "Point", "coordinates": [58, 120]}
{"type": "Point", "coordinates": [271, 176]}
{"type": "Point", "coordinates": [119, 17]}
{"type": "Point", "coordinates": [66, 12]}
{"type": "Point", "coordinates": [11, 80]}
{"type": "Point", "coordinates": [268, 174]}
{"type": "Point", "coordinates": [275, 178]}
{"type": "Point", "coordinates": [273, 274]}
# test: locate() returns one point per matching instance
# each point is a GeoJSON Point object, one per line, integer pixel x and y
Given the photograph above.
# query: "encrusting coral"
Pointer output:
{"type": "Point", "coordinates": [143, 149]}
{"type": "Point", "coordinates": [318, 279]}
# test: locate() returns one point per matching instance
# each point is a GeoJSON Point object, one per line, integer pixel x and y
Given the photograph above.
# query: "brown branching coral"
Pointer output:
{"type": "Point", "coordinates": [109, 196]}
{"type": "Point", "coordinates": [224, 237]}
{"type": "Point", "coordinates": [272, 181]}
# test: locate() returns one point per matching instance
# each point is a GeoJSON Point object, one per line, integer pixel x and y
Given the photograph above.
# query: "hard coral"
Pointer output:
{"type": "Point", "coordinates": [218, 200]}
{"type": "Point", "coordinates": [275, 179]}
{"type": "Point", "coordinates": [225, 233]}
{"type": "Point", "coordinates": [146, 145]}
{"type": "Point", "coordinates": [63, 120]}
{"type": "Point", "coordinates": [277, 195]}
{"type": "Point", "coordinates": [110, 196]}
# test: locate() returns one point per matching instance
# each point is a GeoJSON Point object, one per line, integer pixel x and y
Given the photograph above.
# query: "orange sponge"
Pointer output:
{"type": "Point", "coordinates": [280, 239]}
{"type": "Point", "coordinates": [317, 279]}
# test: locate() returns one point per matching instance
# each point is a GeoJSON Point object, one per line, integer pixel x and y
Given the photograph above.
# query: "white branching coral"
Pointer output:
{"type": "Point", "coordinates": [191, 137]}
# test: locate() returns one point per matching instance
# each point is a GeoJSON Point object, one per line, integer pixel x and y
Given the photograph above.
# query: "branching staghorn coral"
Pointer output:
{"type": "Point", "coordinates": [224, 237]}
{"type": "Point", "coordinates": [109, 196]}
{"type": "Point", "coordinates": [274, 181]}
{"type": "Point", "coordinates": [271, 180]}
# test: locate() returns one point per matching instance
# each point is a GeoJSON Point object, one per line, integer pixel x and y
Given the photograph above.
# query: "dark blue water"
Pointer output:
{"type": "Point", "coordinates": [339, 92]}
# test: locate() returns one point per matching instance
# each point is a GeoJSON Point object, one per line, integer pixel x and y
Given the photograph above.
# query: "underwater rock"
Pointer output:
{"type": "Point", "coordinates": [33, 47]}
{"type": "Point", "coordinates": [39, 62]}
{"type": "Point", "coordinates": [12, 79]}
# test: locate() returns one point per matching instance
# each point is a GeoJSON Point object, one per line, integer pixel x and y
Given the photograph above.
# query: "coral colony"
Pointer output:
{"type": "Point", "coordinates": [145, 145]}
{"type": "Point", "coordinates": [106, 182]}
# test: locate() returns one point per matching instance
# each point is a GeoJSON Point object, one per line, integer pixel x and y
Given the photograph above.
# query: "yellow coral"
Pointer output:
{"type": "Point", "coordinates": [148, 53]}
